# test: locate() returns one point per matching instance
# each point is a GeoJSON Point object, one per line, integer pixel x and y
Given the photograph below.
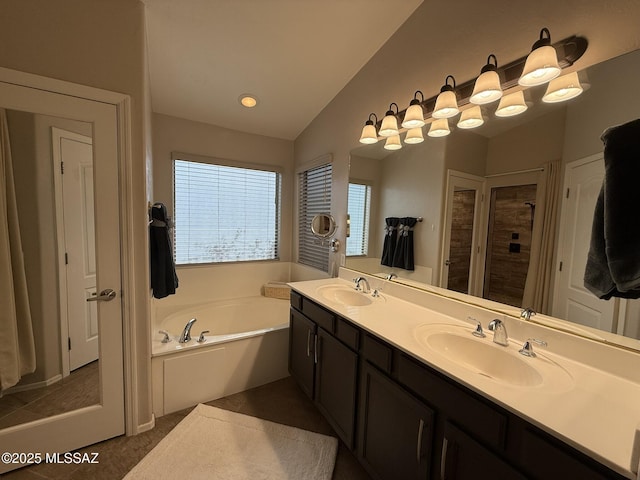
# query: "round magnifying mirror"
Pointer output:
{"type": "Point", "coordinates": [323, 225]}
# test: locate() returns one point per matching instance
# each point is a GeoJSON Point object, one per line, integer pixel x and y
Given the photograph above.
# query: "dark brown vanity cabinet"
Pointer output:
{"type": "Point", "coordinates": [414, 422]}
{"type": "Point", "coordinates": [324, 361]}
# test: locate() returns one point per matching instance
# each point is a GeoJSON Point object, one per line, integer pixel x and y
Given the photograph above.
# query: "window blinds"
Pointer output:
{"type": "Point", "coordinates": [225, 214]}
{"type": "Point", "coordinates": [314, 198]}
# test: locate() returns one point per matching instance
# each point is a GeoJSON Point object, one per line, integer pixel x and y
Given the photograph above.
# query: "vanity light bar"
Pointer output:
{"type": "Point", "coordinates": [568, 50]}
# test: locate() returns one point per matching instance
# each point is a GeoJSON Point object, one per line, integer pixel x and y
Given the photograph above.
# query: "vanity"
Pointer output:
{"type": "Point", "coordinates": [414, 393]}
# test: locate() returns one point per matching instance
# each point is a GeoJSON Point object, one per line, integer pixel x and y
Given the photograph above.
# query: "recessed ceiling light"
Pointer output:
{"type": "Point", "coordinates": [248, 100]}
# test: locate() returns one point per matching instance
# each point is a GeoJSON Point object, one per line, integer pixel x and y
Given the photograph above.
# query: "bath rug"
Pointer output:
{"type": "Point", "coordinates": [211, 443]}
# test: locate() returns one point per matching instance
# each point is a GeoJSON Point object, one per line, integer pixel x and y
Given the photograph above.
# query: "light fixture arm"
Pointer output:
{"type": "Point", "coordinates": [490, 66]}
{"type": "Point", "coordinates": [370, 122]}
{"type": "Point", "coordinates": [415, 100]}
{"type": "Point", "coordinates": [391, 112]}
{"type": "Point", "coordinates": [446, 87]}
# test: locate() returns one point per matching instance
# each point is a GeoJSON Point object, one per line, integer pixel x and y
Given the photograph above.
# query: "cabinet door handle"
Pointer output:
{"type": "Point", "coordinates": [419, 443]}
{"type": "Point", "coordinates": [315, 349]}
{"type": "Point", "coordinates": [308, 343]}
{"type": "Point", "coordinates": [443, 460]}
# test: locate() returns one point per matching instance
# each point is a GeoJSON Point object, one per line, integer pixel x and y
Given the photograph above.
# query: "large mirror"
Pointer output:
{"type": "Point", "coordinates": [52, 169]}
{"type": "Point", "coordinates": [507, 207]}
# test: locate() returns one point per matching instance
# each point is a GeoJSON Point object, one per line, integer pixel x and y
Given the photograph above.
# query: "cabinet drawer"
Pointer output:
{"type": "Point", "coordinates": [348, 334]}
{"type": "Point", "coordinates": [322, 317]}
{"type": "Point", "coordinates": [481, 420]}
{"type": "Point", "coordinates": [377, 352]}
{"type": "Point", "coordinates": [296, 300]}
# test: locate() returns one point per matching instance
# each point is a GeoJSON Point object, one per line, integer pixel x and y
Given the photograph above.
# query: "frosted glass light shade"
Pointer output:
{"type": "Point", "coordinates": [471, 118]}
{"type": "Point", "coordinates": [414, 135]}
{"type": "Point", "coordinates": [389, 126]}
{"type": "Point", "coordinates": [446, 105]}
{"type": "Point", "coordinates": [512, 104]}
{"type": "Point", "coordinates": [413, 117]}
{"type": "Point", "coordinates": [563, 88]}
{"type": "Point", "coordinates": [487, 88]}
{"type": "Point", "coordinates": [541, 67]}
{"type": "Point", "coordinates": [369, 135]}
{"type": "Point", "coordinates": [439, 128]}
{"type": "Point", "coordinates": [393, 143]}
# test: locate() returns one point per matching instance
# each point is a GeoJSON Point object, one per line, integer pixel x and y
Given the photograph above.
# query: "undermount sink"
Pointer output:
{"type": "Point", "coordinates": [501, 364]}
{"type": "Point", "coordinates": [345, 295]}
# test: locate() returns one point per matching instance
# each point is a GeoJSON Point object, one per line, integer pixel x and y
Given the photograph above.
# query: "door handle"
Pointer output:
{"type": "Point", "coordinates": [105, 296]}
{"type": "Point", "coordinates": [447, 262]}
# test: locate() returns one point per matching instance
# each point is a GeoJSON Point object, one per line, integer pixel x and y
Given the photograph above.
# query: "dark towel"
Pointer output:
{"type": "Point", "coordinates": [390, 241]}
{"type": "Point", "coordinates": [164, 280]}
{"type": "Point", "coordinates": [403, 257]}
{"type": "Point", "coordinates": [613, 263]}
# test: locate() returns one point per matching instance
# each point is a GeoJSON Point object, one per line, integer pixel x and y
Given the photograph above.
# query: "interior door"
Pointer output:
{"type": "Point", "coordinates": [73, 170]}
{"type": "Point", "coordinates": [573, 302]}
{"type": "Point", "coordinates": [105, 419]}
{"type": "Point", "coordinates": [460, 233]}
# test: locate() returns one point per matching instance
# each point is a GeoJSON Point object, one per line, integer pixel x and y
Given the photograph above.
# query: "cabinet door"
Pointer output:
{"type": "Point", "coordinates": [395, 430]}
{"type": "Point", "coordinates": [336, 382]}
{"type": "Point", "coordinates": [302, 350]}
{"type": "Point", "coordinates": [464, 458]}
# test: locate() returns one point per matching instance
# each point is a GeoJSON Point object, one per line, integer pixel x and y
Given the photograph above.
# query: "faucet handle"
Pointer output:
{"type": "Point", "coordinates": [166, 338]}
{"type": "Point", "coordinates": [527, 348]}
{"type": "Point", "coordinates": [478, 332]}
{"type": "Point", "coordinates": [201, 338]}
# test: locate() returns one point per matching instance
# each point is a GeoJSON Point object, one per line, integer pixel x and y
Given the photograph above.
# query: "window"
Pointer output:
{"type": "Point", "coordinates": [314, 197]}
{"type": "Point", "coordinates": [359, 208]}
{"type": "Point", "coordinates": [224, 213]}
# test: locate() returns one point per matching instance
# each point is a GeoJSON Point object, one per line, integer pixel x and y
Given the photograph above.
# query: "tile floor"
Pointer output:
{"type": "Point", "coordinates": [281, 401]}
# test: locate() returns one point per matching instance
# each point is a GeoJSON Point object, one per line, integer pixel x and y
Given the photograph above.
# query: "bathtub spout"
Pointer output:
{"type": "Point", "coordinates": [186, 333]}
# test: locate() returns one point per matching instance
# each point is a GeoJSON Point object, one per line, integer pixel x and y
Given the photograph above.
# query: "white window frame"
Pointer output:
{"type": "Point", "coordinates": [180, 156]}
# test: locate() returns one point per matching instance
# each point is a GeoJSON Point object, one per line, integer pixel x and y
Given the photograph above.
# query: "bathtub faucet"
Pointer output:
{"type": "Point", "coordinates": [186, 333]}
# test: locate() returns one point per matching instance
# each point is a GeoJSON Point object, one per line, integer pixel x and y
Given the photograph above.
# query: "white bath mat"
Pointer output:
{"type": "Point", "coordinates": [211, 443]}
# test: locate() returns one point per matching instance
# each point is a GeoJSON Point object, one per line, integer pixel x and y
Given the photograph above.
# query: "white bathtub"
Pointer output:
{"type": "Point", "coordinates": [226, 320]}
{"type": "Point", "coordinates": [247, 346]}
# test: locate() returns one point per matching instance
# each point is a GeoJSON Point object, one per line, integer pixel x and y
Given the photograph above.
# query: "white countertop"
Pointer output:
{"type": "Point", "coordinates": [595, 411]}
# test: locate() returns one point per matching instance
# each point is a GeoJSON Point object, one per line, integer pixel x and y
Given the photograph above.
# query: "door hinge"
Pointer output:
{"type": "Point", "coordinates": [62, 168]}
{"type": "Point", "coordinates": [568, 189]}
{"type": "Point", "coordinates": [482, 198]}
{"type": "Point", "coordinates": [66, 258]}
{"type": "Point", "coordinates": [560, 269]}
{"type": "Point", "coordinates": [69, 342]}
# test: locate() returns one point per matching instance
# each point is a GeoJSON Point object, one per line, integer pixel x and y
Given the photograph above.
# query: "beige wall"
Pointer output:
{"type": "Point", "coordinates": [536, 142]}
{"type": "Point", "coordinates": [100, 43]}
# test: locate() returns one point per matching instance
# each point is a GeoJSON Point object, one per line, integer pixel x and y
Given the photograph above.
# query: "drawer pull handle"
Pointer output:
{"type": "Point", "coordinates": [443, 460]}
{"type": "Point", "coordinates": [419, 445]}
{"type": "Point", "coordinates": [308, 343]}
{"type": "Point", "coordinates": [315, 349]}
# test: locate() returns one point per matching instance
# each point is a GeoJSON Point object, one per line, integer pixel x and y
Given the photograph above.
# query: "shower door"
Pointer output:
{"type": "Point", "coordinates": [54, 428]}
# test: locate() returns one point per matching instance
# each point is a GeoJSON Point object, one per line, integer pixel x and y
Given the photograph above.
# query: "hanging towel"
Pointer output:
{"type": "Point", "coordinates": [613, 262]}
{"type": "Point", "coordinates": [403, 257]}
{"type": "Point", "coordinates": [390, 241]}
{"type": "Point", "coordinates": [164, 280]}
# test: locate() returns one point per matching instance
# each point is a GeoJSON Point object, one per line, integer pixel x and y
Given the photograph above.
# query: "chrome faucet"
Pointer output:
{"type": "Point", "coordinates": [527, 313]}
{"type": "Point", "coordinates": [366, 288]}
{"type": "Point", "coordinates": [499, 332]}
{"type": "Point", "coordinates": [186, 333]}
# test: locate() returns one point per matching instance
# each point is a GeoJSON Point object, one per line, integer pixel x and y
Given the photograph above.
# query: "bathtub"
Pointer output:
{"type": "Point", "coordinates": [247, 346]}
